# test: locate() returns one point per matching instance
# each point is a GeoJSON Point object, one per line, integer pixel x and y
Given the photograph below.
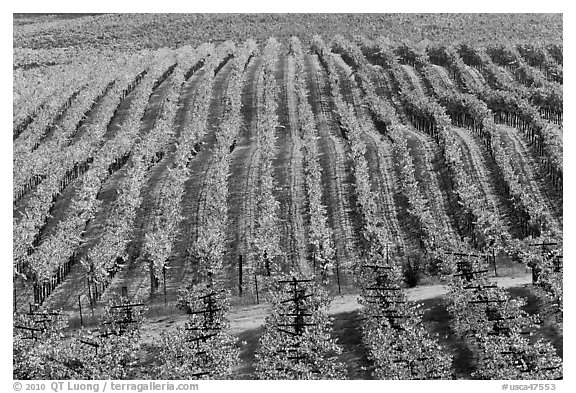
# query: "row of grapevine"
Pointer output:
{"type": "Point", "coordinates": [476, 217]}
{"type": "Point", "coordinates": [398, 343]}
{"type": "Point", "coordinates": [58, 157]}
{"type": "Point", "coordinates": [384, 117]}
{"type": "Point", "coordinates": [546, 96]}
{"type": "Point", "coordinates": [31, 138]}
{"type": "Point", "coordinates": [65, 166]}
{"type": "Point", "coordinates": [23, 172]}
{"type": "Point", "coordinates": [208, 247]}
{"type": "Point", "coordinates": [466, 110]}
{"type": "Point", "coordinates": [41, 111]}
{"type": "Point", "coordinates": [479, 221]}
{"type": "Point", "coordinates": [296, 342]}
{"type": "Point", "coordinates": [457, 60]}
{"type": "Point", "coordinates": [71, 120]}
{"type": "Point", "coordinates": [540, 92]}
{"type": "Point", "coordinates": [320, 234]}
{"type": "Point", "coordinates": [430, 184]}
{"type": "Point", "coordinates": [469, 112]}
{"type": "Point", "coordinates": [101, 259]}
{"type": "Point", "coordinates": [476, 116]}
{"type": "Point", "coordinates": [488, 358]}
{"type": "Point", "coordinates": [205, 332]}
{"type": "Point", "coordinates": [36, 211]}
{"type": "Point", "coordinates": [379, 157]}
{"type": "Point", "coordinates": [375, 233]}
{"type": "Point", "coordinates": [497, 358]}
{"type": "Point", "coordinates": [55, 252]}
{"type": "Point", "coordinates": [511, 109]}
{"type": "Point", "coordinates": [266, 252]}
{"type": "Point", "coordinates": [166, 216]}
{"type": "Point", "coordinates": [391, 324]}
{"type": "Point", "coordinates": [30, 91]}
{"type": "Point", "coordinates": [204, 335]}
{"type": "Point", "coordinates": [334, 161]}
{"type": "Point", "coordinates": [43, 351]}
{"type": "Point", "coordinates": [547, 143]}
{"type": "Point", "coordinates": [509, 58]}
{"type": "Point", "coordinates": [536, 55]}
{"type": "Point", "coordinates": [202, 348]}
{"type": "Point", "coordinates": [495, 327]}
{"type": "Point", "coordinates": [243, 188]}
{"type": "Point", "coordinates": [80, 85]}
{"type": "Point", "coordinates": [550, 279]}
{"type": "Point", "coordinates": [556, 50]}
{"type": "Point", "coordinates": [544, 257]}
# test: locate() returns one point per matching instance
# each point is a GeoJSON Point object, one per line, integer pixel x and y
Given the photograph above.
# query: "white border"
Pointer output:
{"type": "Point", "coordinates": [294, 6]}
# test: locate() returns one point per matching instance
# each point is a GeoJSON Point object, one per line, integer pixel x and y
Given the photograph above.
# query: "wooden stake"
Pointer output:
{"type": "Point", "coordinates": [90, 293]}
{"type": "Point", "coordinates": [494, 260]}
{"type": "Point", "coordinates": [164, 279]}
{"type": "Point", "coordinates": [80, 307]}
{"type": "Point", "coordinates": [240, 274]}
{"type": "Point", "coordinates": [256, 282]}
{"type": "Point", "coordinates": [338, 277]}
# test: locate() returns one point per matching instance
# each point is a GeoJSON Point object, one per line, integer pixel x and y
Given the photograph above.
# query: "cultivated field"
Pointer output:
{"type": "Point", "coordinates": [302, 206]}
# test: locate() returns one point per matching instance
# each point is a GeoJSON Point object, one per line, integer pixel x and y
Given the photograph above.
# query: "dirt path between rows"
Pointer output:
{"type": "Point", "coordinates": [252, 317]}
{"type": "Point", "coordinates": [242, 181]}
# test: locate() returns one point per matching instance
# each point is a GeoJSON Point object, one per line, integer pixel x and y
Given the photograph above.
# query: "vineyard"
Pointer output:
{"type": "Point", "coordinates": [285, 208]}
